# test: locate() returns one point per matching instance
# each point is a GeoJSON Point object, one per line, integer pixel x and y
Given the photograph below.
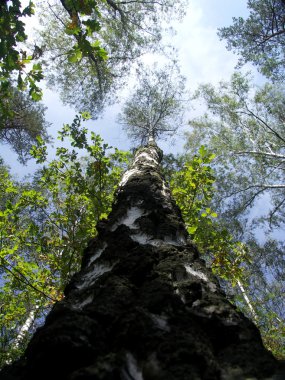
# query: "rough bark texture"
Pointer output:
{"type": "Point", "coordinates": [144, 306]}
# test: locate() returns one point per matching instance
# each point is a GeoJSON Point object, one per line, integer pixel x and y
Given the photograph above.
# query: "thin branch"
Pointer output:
{"type": "Point", "coordinates": [273, 212]}
{"type": "Point", "coordinates": [24, 279]}
{"type": "Point", "coordinates": [265, 124]}
{"type": "Point", "coordinates": [254, 152]}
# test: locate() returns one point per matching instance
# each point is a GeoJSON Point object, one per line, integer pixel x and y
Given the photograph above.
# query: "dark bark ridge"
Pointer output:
{"type": "Point", "coordinates": [144, 306]}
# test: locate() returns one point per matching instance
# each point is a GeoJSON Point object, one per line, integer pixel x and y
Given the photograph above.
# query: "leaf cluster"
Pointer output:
{"type": "Point", "coordinates": [193, 189]}
{"type": "Point", "coordinates": [13, 58]}
{"type": "Point", "coordinates": [45, 224]}
{"type": "Point", "coordinates": [21, 123]}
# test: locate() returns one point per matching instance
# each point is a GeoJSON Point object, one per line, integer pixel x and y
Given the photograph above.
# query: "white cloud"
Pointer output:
{"type": "Point", "coordinates": [203, 56]}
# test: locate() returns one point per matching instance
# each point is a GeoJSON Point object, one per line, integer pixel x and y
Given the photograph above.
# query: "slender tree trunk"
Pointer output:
{"type": "Point", "coordinates": [245, 297]}
{"type": "Point", "coordinates": [26, 327]}
{"type": "Point", "coordinates": [23, 331]}
{"type": "Point", "coordinates": [144, 306]}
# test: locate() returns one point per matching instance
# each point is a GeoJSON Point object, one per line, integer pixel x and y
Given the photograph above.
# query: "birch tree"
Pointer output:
{"type": "Point", "coordinates": [144, 305]}
{"type": "Point", "coordinates": [156, 107]}
{"type": "Point", "coordinates": [245, 128]}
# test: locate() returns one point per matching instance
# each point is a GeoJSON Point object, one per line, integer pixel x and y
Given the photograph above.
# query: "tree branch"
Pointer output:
{"type": "Point", "coordinates": [260, 153]}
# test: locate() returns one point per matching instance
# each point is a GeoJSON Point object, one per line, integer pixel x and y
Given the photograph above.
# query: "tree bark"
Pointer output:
{"type": "Point", "coordinates": [144, 306]}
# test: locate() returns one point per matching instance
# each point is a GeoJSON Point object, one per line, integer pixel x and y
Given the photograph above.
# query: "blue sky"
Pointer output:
{"type": "Point", "coordinates": [202, 57]}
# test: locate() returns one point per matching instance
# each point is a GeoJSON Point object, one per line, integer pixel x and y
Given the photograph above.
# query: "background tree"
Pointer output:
{"type": "Point", "coordinates": [24, 122]}
{"type": "Point", "coordinates": [245, 130]}
{"type": "Point", "coordinates": [88, 49]}
{"type": "Point", "coordinates": [156, 107]}
{"type": "Point", "coordinates": [260, 39]}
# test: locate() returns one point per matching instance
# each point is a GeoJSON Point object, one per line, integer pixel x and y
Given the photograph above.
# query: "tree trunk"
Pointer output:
{"type": "Point", "coordinates": [144, 306]}
{"type": "Point", "coordinates": [26, 327]}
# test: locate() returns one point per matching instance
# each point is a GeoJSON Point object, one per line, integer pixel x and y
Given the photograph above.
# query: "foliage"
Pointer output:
{"type": "Point", "coordinates": [155, 109]}
{"type": "Point", "coordinates": [14, 57]}
{"type": "Point", "coordinates": [193, 189]}
{"type": "Point", "coordinates": [85, 47]}
{"type": "Point", "coordinates": [88, 47]}
{"type": "Point", "coordinates": [24, 123]}
{"type": "Point", "coordinates": [250, 273]}
{"type": "Point", "coordinates": [245, 129]}
{"type": "Point", "coordinates": [260, 39]}
{"type": "Point", "coordinates": [44, 225]}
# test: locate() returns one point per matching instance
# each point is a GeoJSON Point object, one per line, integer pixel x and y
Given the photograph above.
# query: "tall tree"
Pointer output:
{"type": "Point", "coordinates": [245, 129]}
{"type": "Point", "coordinates": [155, 109]}
{"type": "Point", "coordinates": [260, 38]}
{"type": "Point", "coordinates": [144, 306]}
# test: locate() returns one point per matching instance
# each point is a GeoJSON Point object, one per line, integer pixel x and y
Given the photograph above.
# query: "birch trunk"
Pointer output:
{"type": "Point", "coordinates": [144, 306]}
{"type": "Point", "coordinates": [251, 308]}
{"type": "Point", "coordinates": [26, 327]}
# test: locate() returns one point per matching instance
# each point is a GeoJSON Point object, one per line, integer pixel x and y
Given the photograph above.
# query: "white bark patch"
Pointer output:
{"type": "Point", "coordinates": [196, 303]}
{"type": "Point", "coordinates": [212, 287]}
{"type": "Point", "coordinates": [144, 239]}
{"type": "Point", "coordinates": [160, 321]}
{"type": "Point", "coordinates": [229, 322]}
{"type": "Point", "coordinates": [91, 277]}
{"type": "Point", "coordinates": [128, 174]}
{"type": "Point", "coordinates": [180, 295]}
{"type": "Point", "coordinates": [97, 254]}
{"type": "Point", "coordinates": [210, 309]}
{"type": "Point", "coordinates": [80, 305]}
{"type": "Point", "coordinates": [196, 273]}
{"type": "Point", "coordinates": [146, 159]}
{"type": "Point", "coordinates": [154, 153]}
{"type": "Point", "coordinates": [165, 190]}
{"type": "Point", "coordinates": [132, 372]}
{"type": "Point", "coordinates": [179, 240]}
{"type": "Point", "coordinates": [130, 218]}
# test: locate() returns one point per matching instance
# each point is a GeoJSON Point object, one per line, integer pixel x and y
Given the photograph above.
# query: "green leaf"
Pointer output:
{"type": "Point", "coordinates": [75, 56]}
{"type": "Point", "coordinates": [192, 230]}
{"type": "Point", "coordinates": [202, 151]}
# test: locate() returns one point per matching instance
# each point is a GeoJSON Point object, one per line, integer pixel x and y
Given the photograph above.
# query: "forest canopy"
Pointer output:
{"type": "Point", "coordinates": [233, 159]}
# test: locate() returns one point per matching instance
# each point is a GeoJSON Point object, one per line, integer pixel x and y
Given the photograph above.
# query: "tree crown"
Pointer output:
{"type": "Point", "coordinates": [156, 107]}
